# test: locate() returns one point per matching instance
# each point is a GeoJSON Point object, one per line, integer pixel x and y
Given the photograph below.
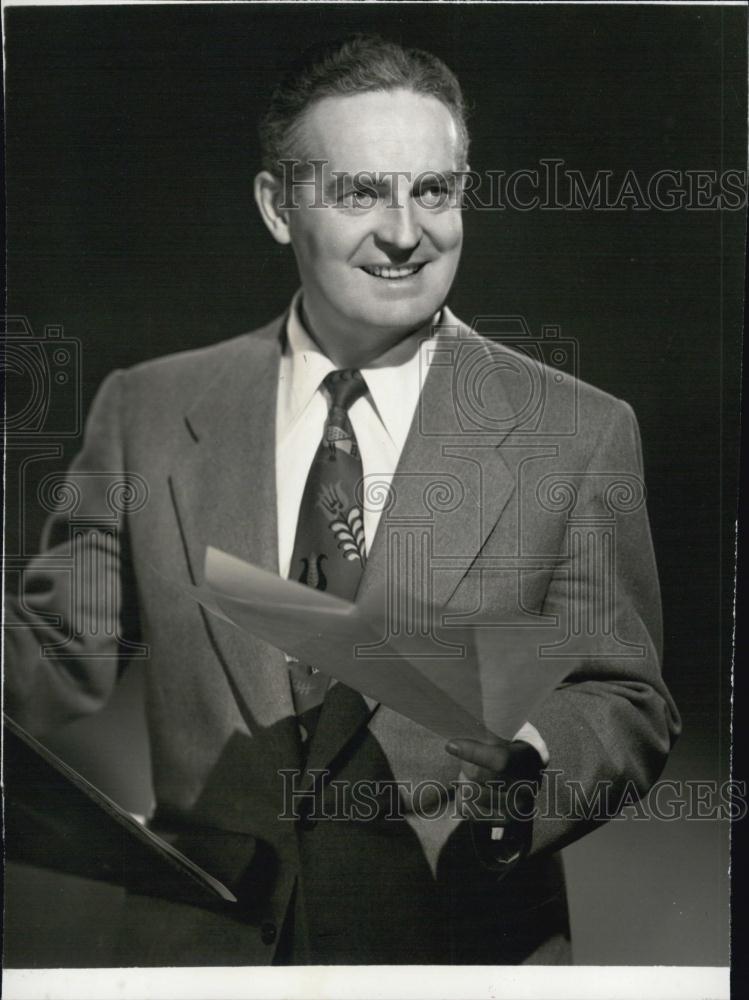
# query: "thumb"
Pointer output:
{"type": "Point", "coordinates": [487, 756]}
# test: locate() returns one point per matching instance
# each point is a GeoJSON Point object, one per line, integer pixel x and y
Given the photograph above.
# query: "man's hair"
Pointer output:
{"type": "Point", "coordinates": [357, 64]}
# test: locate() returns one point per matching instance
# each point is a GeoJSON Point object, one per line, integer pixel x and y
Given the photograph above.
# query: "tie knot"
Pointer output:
{"type": "Point", "coordinates": [345, 387]}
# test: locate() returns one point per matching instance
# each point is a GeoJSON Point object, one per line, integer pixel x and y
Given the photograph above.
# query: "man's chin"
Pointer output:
{"type": "Point", "coordinates": [400, 315]}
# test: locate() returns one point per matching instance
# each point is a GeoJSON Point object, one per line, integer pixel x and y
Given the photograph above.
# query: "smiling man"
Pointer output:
{"type": "Point", "coordinates": [378, 253]}
{"type": "Point", "coordinates": [263, 446]}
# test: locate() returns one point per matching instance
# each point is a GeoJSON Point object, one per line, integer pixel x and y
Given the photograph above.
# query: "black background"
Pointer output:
{"type": "Point", "coordinates": [130, 156]}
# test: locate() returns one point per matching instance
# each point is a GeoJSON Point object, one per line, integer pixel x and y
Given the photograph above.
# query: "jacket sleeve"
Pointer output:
{"type": "Point", "coordinates": [69, 630]}
{"type": "Point", "coordinates": [610, 725]}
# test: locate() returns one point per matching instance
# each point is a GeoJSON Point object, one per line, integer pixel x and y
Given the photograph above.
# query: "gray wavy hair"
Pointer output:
{"type": "Point", "coordinates": [353, 65]}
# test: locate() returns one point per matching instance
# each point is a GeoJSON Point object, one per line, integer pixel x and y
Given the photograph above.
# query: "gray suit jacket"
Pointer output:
{"type": "Point", "coordinates": [531, 457]}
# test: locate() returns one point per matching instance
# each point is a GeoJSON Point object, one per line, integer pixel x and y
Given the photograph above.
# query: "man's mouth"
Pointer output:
{"type": "Point", "coordinates": [391, 273]}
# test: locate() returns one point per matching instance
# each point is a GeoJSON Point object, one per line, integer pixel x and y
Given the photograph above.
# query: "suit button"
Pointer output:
{"type": "Point", "coordinates": [268, 932]}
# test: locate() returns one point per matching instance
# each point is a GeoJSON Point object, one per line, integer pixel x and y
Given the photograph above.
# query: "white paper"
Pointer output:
{"type": "Point", "coordinates": [479, 682]}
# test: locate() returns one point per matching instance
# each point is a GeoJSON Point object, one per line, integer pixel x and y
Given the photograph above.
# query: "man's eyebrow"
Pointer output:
{"type": "Point", "coordinates": [341, 180]}
{"type": "Point", "coordinates": [382, 181]}
{"type": "Point", "coordinates": [450, 176]}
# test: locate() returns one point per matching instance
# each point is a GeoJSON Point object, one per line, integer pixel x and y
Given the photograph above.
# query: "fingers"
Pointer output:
{"type": "Point", "coordinates": [497, 795]}
{"type": "Point", "coordinates": [515, 761]}
{"type": "Point", "coordinates": [493, 758]}
{"type": "Point", "coordinates": [498, 783]}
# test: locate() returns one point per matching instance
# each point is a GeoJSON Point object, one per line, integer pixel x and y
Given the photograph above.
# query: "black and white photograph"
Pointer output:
{"type": "Point", "coordinates": [372, 387]}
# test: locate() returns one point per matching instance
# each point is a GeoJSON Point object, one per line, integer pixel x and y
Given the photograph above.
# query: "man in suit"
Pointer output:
{"type": "Point", "coordinates": [263, 446]}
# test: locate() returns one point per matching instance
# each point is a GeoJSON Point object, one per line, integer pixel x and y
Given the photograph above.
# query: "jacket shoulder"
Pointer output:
{"type": "Point", "coordinates": [552, 395]}
{"type": "Point", "coordinates": [160, 391]}
{"type": "Point", "coordinates": [539, 372]}
{"type": "Point", "coordinates": [192, 369]}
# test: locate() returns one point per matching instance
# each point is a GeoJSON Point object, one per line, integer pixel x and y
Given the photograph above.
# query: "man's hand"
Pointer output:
{"type": "Point", "coordinates": [497, 796]}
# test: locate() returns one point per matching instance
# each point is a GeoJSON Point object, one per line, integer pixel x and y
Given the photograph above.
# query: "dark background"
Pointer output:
{"type": "Point", "coordinates": [130, 156]}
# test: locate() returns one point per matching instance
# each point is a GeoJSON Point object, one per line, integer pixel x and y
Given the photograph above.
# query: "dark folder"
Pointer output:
{"type": "Point", "coordinates": [56, 819]}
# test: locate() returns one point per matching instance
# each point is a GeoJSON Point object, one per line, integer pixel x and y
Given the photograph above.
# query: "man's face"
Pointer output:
{"type": "Point", "coordinates": [380, 256]}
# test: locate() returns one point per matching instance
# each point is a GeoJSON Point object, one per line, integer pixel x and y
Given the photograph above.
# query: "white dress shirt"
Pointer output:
{"type": "Point", "coordinates": [381, 419]}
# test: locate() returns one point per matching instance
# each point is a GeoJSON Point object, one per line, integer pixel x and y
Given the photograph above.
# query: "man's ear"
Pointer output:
{"type": "Point", "coordinates": [268, 197]}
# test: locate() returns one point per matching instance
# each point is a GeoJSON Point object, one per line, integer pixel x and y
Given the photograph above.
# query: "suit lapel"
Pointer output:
{"type": "Point", "coordinates": [452, 478]}
{"type": "Point", "coordinates": [224, 491]}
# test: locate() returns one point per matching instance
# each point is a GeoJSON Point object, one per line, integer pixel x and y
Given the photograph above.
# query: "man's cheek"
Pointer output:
{"type": "Point", "coordinates": [453, 232]}
{"type": "Point", "coordinates": [329, 243]}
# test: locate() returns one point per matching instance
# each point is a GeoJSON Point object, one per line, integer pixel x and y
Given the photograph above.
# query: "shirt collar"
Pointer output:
{"type": "Point", "coordinates": [304, 365]}
{"type": "Point", "coordinates": [394, 380]}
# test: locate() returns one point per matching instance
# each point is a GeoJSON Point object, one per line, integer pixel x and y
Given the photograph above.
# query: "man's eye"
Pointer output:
{"type": "Point", "coordinates": [358, 198]}
{"type": "Point", "coordinates": [433, 195]}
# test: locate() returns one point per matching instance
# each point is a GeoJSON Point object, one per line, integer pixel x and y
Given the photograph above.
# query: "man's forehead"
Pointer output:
{"type": "Point", "coordinates": [381, 131]}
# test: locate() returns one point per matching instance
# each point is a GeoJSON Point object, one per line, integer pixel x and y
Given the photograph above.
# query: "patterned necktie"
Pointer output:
{"type": "Point", "coordinates": [329, 551]}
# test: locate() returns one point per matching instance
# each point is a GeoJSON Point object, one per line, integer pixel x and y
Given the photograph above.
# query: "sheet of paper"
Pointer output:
{"type": "Point", "coordinates": [331, 644]}
{"type": "Point", "coordinates": [480, 681]}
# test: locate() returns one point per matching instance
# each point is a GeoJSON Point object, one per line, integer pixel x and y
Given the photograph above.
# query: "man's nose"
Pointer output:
{"type": "Point", "coordinates": [399, 228]}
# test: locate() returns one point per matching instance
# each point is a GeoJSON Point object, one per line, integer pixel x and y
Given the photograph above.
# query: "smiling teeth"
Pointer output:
{"type": "Point", "coordinates": [380, 271]}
